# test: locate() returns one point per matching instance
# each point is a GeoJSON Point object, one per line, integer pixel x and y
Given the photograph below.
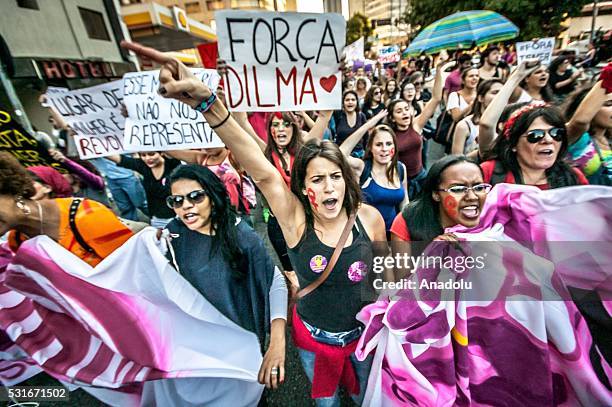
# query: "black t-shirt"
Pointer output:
{"type": "Point", "coordinates": [373, 111]}
{"type": "Point", "coordinates": [556, 78]}
{"type": "Point", "coordinates": [343, 130]}
{"type": "Point", "coordinates": [156, 189]}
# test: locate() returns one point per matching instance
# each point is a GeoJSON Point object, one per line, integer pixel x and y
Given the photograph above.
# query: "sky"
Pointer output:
{"type": "Point", "coordinates": [316, 6]}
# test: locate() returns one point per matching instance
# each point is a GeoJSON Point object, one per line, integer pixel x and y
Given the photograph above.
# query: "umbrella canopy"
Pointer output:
{"type": "Point", "coordinates": [462, 30]}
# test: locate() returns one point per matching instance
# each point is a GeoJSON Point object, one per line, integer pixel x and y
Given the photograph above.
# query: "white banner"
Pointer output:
{"type": "Point", "coordinates": [355, 51]}
{"type": "Point", "coordinates": [387, 55]}
{"type": "Point", "coordinates": [281, 61]}
{"type": "Point", "coordinates": [541, 49]}
{"type": "Point", "coordinates": [155, 123]}
{"type": "Point", "coordinates": [95, 116]}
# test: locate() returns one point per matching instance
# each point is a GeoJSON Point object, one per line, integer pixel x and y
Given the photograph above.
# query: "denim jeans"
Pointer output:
{"type": "Point", "coordinates": [129, 195]}
{"type": "Point", "coordinates": [362, 370]}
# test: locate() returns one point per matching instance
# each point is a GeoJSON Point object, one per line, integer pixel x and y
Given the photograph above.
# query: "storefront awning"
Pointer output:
{"type": "Point", "coordinates": [163, 28]}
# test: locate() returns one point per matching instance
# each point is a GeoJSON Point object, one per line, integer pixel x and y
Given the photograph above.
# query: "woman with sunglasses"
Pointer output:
{"type": "Point", "coordinates": [408, 93]}
{"type": "Point", "coordinates": [589, 128]}
{"type": "Point", "coordinates": [408, 129]}
{"type": "Point", "coordinates": [373, 104]}
{"type": "Point", "coordinates": [226, 261]}
{"type": "Point", "coordinates": [313, 214]}
{"type": "Point", "coordinates": [531, 151]}
{"type": "Point", "coordinates": [453, 194]}
{"type": "Point", "coordinates": [154, 168]}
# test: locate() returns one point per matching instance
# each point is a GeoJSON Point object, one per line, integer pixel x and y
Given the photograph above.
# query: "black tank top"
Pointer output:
{"type": "Point", "coordinates": [335, 303]}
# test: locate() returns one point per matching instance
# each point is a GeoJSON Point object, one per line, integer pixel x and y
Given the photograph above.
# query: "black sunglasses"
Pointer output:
{"type": "Point", "coordinates": [537, 135]}
{"type": "Point", "coordinates": [194, 197]}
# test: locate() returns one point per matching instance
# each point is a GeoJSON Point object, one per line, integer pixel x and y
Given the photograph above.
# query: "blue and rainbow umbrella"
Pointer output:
{"type": "Point", "coordinates": [462, 30]}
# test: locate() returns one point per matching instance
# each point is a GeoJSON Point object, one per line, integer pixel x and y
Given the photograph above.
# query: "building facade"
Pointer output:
{"type": "Point", "coordinates": [385, 15]}
{"type": "Point", "coordinates": [66, 43]}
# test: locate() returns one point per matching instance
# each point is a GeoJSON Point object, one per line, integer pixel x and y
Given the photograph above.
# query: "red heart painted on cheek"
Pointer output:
{"type": "Point", "coordinates": [328, 83]}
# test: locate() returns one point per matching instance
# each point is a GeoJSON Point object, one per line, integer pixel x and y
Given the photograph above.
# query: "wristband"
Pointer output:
{"type": "Point", "coordinates": [222, 121]}
{"type": "Point", "coordinates": [206, 104]}
{"type": "Point", "coordinates": [606, 78]}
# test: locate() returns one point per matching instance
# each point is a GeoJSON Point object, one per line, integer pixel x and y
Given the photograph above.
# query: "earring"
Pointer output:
{"type": "Point", "coordinates": [20, 203]}
{"type": "Point", "coordinates": [514, 150]}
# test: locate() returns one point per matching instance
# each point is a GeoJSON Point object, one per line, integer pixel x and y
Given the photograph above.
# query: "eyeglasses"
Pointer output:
{"type": "Point", "coordinates": [417, 83]}
{"type": "Point", "coordinates": [285, 124]}
{"type": "Point", "coordinates": [479, 189]}
{"type": "Point", "coordinates": [194, 197]}
{"type": "Point", "coordinates": [377, 92]}
{"type": "Point", "coordinates": [537, 135]}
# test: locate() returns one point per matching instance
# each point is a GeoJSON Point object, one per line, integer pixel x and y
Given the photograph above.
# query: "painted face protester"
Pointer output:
{"type": "Point", "coordinates": [154, 168]}
{"type": "Point", "coordinates": [322, 202]}
{"type": "Point", "coordinates": [465, 138]}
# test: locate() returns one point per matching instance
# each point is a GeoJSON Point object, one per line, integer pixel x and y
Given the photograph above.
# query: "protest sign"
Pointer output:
{"type": "Point", "coordinates": [541, 49]}
{"type": "Point", "coordinates": [281, 61]}
{"type": "Point", "coordinates": [155, 123]}
{"type": "Point", "coordinates": [390, 54]}
{"type": "Point", "coordinates": [355, 51]}
{"type": "Point", "coordinates": [95, 116]}
{"type": "Point", "coordinates": [15, 140]}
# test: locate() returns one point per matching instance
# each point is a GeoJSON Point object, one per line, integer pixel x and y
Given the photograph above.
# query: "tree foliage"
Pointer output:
{"type": "Point", "coordinates": [358, 26]}
{"type": "Point", "coordinates": [534, 18]}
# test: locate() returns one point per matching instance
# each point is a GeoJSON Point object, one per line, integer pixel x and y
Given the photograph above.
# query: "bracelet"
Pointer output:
{"type": "Point", "coordinates": [206, 104]}
{"type": "Point", "coordinates": [222, 121]}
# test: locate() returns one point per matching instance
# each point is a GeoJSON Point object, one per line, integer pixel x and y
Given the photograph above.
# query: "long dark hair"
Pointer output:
{"type": "Point", "coordinates": [387, 95]}
{"type": "Point", "coordinates": [293, 146]}
{"type": "Point", "coordinates": [314, 148]}
{"type": "Point", "coordinates": [546, 91]}
{"type": "Point", "coordinates": [481, 91]}
{"type": "Point", "coordinates": [422, 214]}
{"type": "Point", "coordinates": [560, 174]}
{"type": "Point", "coordinates": [354, 93]}
{"type": "Point", "coordinates": [369, 97]}
{"type": "Point", "coordinates": [222, 215]}
{"type": "Point", "coordinates": [390, 108]}
{"type": "Point", "coordinates": [368, 151]}
{"type": "Point", "coordinates": [414, 103]}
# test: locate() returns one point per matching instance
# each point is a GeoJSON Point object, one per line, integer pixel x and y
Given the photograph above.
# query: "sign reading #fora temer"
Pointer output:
{"type": "Point", "coordinates": [155, 123]}
{"type": "Point", "coordinates": [281, 61]}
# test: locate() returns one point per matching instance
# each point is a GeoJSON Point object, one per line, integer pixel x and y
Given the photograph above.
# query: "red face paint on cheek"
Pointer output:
{"type": "Point", "coordinates": [392, 151]}
{"type": "Point", "coordinates": [450, 204]}
{"type": "Point", "coordinates": [312, 197]}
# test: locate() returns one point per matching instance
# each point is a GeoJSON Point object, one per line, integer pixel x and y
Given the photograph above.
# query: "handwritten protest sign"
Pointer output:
{"type": "Point", "coordinates": [390, 54]}
{"type": "Point", "coordinates": [95, 116]}
{"type": "Point", "coordinates": [281, 61]}
{"type": "Point", "coordinates": [158, 124]}
{"type": "Point", "coordinates": [15, 140]}
{"type": "Point", "coordinates": [355, 51]}
{"type": "Point", "coordinates": [541, 49]}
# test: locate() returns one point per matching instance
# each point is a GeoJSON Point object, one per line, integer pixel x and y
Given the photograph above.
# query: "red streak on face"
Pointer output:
{"type": "Point", "coordinates": [450, 204]}
{"type": "Point", "coordinates": [312, 197]}
{"type": "Point", "coordinates": [392, 152]}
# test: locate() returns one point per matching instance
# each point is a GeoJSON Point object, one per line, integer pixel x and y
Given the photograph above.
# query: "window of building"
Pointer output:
{"type": "Point", "coordinates": [31, 4]}
{"type": "Point", "coordinates": [192, 7]}
{"type": "Point", "coordinates": [94, 24]}
{"type": "Point", "coordinates": [215, 5]}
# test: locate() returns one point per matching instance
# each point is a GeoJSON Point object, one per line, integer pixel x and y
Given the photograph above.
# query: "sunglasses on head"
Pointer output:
{"type": "Point", "coordinates": [537, 135]}
{"type": "Point", "coordinates": [194, 197]}
{"type": "Point", "coordinates": [285, 124]}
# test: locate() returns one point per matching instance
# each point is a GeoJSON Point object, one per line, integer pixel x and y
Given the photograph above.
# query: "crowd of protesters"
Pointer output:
{"type": "Point", "coordinates": [331, 183]}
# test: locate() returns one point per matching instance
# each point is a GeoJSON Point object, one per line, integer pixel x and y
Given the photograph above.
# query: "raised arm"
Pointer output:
{"type": "Point", "coordinates": [421, 120]}
{"type": "Point", "coordinates": [243, 120]}
{"type": "Point", "coordinates": [461, 133]}
{"type": "Point", "coordinates": [487, 126]}
{"type": "Point", "coordinates": [318, 130]}
{"type": "Point", "coordinates": [590, 105]}
{"type": "Point", "coordinates": [349, 144]}
{"type": "Point", "coordinates": [92, 180]}
{"type": "Point", "coordinates": [177, 82]}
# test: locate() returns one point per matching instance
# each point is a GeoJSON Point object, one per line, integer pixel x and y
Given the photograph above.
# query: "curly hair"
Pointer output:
{"type": "Point", "coordinates": [15, 180]}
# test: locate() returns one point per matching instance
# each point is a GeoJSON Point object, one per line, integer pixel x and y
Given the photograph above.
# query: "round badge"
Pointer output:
{"type": "Point", "coordinates": [318, 263]}
{"type": "Point", "coordinates": [357, 271]}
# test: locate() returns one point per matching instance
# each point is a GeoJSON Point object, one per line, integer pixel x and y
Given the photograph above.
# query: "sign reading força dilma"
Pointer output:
{"type": "Point", "coordinates": [281, 61]}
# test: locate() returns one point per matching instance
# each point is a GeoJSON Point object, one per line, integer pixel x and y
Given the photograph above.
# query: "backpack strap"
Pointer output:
{"type": "Point", "coordinates": [400, 171]}
{"type": "Point", "coordinates": [74, 208]}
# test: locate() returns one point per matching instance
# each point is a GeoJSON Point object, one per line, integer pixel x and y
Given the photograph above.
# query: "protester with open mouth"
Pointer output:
{"type": "Point", "coordinates": [323, 202]}
{"type": "Point", "coordinates": [381, 176]}
{"type": "Point", "coordinates": [154, 168]}
{"type": "Point", "coordinates": [348, 120]}
{"type": "Point", "coordinates": [531, 151]}
{"type": "Point", "coordinates": [373, 104]}
{"type": "Point", "coordinates": [535, 86]}
{"type": "Point", "coordinates": [226, 261]}
{"type": "Point", "coordinates": [453, 194]}
{"type": "Point", "coordinates": [408, 129]}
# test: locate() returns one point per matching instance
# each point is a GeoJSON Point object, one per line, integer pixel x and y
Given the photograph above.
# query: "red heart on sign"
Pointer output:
{"type": "Point", "coordinates": [328, 83]}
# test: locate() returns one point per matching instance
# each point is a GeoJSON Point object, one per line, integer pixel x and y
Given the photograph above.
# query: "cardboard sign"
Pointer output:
{"type": "Point", "coordinates": [355, 51]}
{"type": "Point", "coordinates": [390, 54]}
{"type": "Point", "coordinates": [541, 49]}
{"type": "Point", "coordinates": [15, 140]}
{"type": "Point", "coordinates": [155, 123]}
{"type": "Point", "coordinates": [281, 61]}
{"type": "Point", "coordinates": [95, 116]}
